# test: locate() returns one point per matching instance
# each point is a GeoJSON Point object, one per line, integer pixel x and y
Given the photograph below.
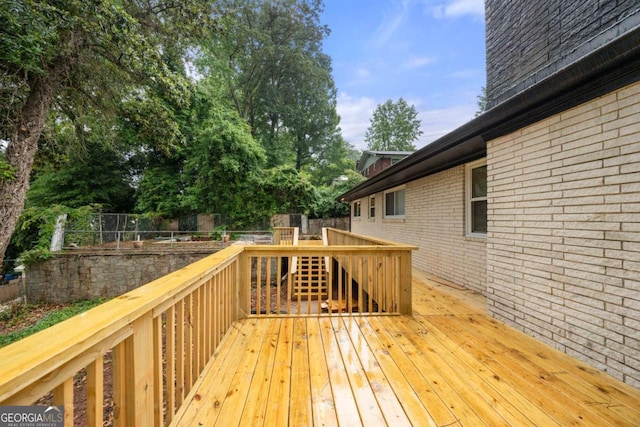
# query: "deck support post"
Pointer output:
{"type": "Point", "coordinates": [404, 291]}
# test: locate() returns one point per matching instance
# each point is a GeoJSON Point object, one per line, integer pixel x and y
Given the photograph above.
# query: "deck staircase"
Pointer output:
{"type": "Point", "coordinates": [310, 278]}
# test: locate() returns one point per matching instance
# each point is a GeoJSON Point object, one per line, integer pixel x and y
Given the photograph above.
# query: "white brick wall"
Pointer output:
{"type": "Point", "coordinates": [434, 221]}
{"type": "Point", "coordinates": [563, 249]}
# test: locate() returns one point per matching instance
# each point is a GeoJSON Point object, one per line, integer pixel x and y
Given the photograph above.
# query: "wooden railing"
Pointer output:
{"type": "Point", "coordinates": [350, 274]}
{"type": "Point", "coordinates": [285, 236]}
{"type": "Point", "coordinates": [335, 237]}
{"type": "Point", "coordinates": [357, 279]}
{"type": "Point", "coordinates": [154, 342]}
{"type": "Point", "coordinates": [151, 344]}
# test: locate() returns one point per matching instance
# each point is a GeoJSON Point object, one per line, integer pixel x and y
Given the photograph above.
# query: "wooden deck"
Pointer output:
{"type": "Point", "coordinates": [448, 365]}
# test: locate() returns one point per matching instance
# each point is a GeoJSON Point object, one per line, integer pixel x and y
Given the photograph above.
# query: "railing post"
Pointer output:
{"type": "Point", "coordinates": [243, 280]}
{"type": "Point", "coordinates": [139, 381]}
{"type": "Point", "coordinates": [404, 293]}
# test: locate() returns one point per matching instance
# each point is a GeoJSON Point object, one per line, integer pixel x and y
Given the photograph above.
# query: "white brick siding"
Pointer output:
{"type": "Point", "coordinates": [433, 221]}
{"type": "Point", "coordinates": [563, 248]}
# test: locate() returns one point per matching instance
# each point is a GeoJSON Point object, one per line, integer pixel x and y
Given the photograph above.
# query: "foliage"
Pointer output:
{"type": "Point", "coordinates": [97, 176]}
{"type": "Point", "coordinates": [276, 76]}
{"type": "Point", "coordinates": [7, 172]}
{"type": "Point", "coordinates": [75, 57]}
{"type": "Point", "coordinates": [327, 204]}
{"type": "Point", "coordinates": [333, 163]}
{"type": "Point", "coordinates": [220, 163]}
{"type": "Point", "coordinates": [160, 190]}
{"type": "Point", "coordinates": [100, 90]}
{"type": "Point", "coordinates": [394, 127]}
{"type": "Point", "coordinates": [47, 321]}
{"type": "Point", "coordinates": [289, 191]}
{"type": "Point", "coordinates": [35, 228]}
{"type": "Point", "coordinates": [482, 101]}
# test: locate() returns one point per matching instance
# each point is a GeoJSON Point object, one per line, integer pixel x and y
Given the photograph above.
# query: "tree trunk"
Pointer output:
{"type": "Point", "coordinates": [21, 151]}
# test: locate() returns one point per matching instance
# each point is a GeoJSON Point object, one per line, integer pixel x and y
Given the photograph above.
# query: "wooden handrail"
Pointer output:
{"type": "Point", "coordinates": [337, 237]}
{"type": "Point", "coordinates": [131, 327]}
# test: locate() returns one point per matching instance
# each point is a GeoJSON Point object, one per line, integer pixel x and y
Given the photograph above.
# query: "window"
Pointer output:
{"type": "Point", "coordinates": [356, 209]}
{"type": "Point", "coordinates": [477, 198]}
{"type": "Point", "coordinates": [372, 207]}
{"type": "Point", "coordinates": [394, 203]}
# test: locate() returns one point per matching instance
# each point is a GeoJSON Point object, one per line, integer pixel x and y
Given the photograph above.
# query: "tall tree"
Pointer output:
{"type": "Point", "coordinates": [394, 127]}
{"type": "Point", "coordinates": [277, 77]}
{"type": "Point", "coordinates": [80, 50]}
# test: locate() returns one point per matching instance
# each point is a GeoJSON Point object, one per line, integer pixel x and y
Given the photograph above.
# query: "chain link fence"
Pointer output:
{"type": "Point", "coordinates": [117, 231]}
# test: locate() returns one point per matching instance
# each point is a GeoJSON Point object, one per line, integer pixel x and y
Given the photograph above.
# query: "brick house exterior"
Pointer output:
{"type": "Point", "coordinates": [552, 236]}
{"type": "Point", "coordinates": [372, 163]}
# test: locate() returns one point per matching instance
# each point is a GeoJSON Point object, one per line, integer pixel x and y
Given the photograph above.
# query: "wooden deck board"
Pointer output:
{"type": "Point", "coordinates": [447, 365]}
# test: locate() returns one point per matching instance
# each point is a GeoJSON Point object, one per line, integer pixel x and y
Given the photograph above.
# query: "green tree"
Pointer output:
{"type": "Point", "coordinates": [337, 159]}
{"type": "Point", "coordinates": [327, 204]}
{"type": "Point", "coordinates": [77, 52]}
{"type": "Point", "coordinates": [394, 127]}
{"type": "Point", "coordinates": [221, 162]}
{"type": "Point", "coordinates": [100, 176]}
{"type": "Point", "coordinates": [276, 76]}
{"type": "Point", "coordinates": [482, 101]}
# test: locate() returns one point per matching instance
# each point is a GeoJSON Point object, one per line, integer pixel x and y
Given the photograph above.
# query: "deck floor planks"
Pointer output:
{"type": "Point", "coordinates": [370, 412]}
{"type": "Point", "coordinates": [258, 396]}
{"type": "Point", "coordinates": [526, 377]}
{"type": "Point", "coordinates": [300, 410]}
{"type": "Point", "coordinates": [438, 367]}
{"type": "Point", "coordinates": [280, 390]}
{"type": "Point", "coordinates": [322, 400]}
{"type": "Point", "coordinates": [369, 352]}
{"type": "Point", "coordinates": [413, 392]}
{"type": "Point", "coordinates": [466, 394]}
{"type": "Point", "coordinates": [204, 400]}
{"type": "Point", "coordinates": [345, 404]}
{"type": "Point", "coordinates": [235, 399]}
{"type": "Point", "coordinates": [574, 380]}
{"type": "Point", "coordinates": [540, 408]}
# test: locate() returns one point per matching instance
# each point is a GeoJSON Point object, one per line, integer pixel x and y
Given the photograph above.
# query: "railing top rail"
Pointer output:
{"type": "Point", "coordinates": [326, 250]}
{"type": "Point", "coordinates": [34, 357]}
{"type": "Point", "coordinates": [372, 240]}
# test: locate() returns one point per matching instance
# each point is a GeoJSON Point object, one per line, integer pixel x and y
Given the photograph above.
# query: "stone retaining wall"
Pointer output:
{"type": "Point", "coordinates": [76, 276]}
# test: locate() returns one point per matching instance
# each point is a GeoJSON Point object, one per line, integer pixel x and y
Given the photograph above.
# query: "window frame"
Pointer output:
{"type": "Point", "coordinates": [357, 209]}
{"type": "Point", "coordinates": [469, 199]}
{"type": "Point", "coordinates": [404, 208]}
{"type": "Point", "coordinates": [372, 207]}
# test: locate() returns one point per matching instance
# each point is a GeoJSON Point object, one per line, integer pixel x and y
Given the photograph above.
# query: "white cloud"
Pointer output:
{"type": "Point", "coordinates": [455, 8]}
{"type": "Point", "coordinates": [354, 118]}
{"type": "Point", "coordinates": [391, 22]}
{"type": "Point", "coordinates": [439, 122]}
{"type": "Point", "coordinates": [465, 74]}
{"type": "Point", "coordinates": [355, 115]}
{"type": "Point", "coordinates": [362, 73]}
{"type": "Point", "coordinates": [416, 62]}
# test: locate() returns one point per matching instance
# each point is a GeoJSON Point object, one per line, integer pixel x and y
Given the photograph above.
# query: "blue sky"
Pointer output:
{"type": "Point", "coordinates": [429, 52]}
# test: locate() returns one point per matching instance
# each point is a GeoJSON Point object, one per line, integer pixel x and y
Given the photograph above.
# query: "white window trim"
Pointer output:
{"type": "Point", "coordinates": [468, 199]}
{"type": "Point", "coordinates": [353, 211]}
{"type": "Point", "coordinates": [372, 198]}
{"type": "Point", "coordinates": [384, 203]}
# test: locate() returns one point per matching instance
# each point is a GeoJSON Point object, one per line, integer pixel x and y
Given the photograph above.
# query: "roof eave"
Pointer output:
{"type": "Point", "coordinates": [605, 69]}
